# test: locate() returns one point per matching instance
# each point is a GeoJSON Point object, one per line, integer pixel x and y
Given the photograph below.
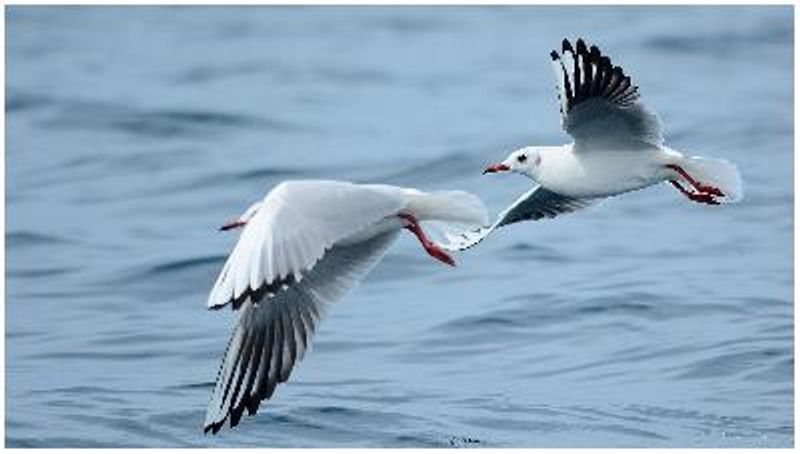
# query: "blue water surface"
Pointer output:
{"type": "Point", "coordinates": [132, 133]}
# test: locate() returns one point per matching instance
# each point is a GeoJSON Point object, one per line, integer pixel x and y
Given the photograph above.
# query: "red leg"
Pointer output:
{"type": "Point", "coordinates": [680, 187]}
{"type": "Point", "coordinates": [700, 187]}
{"type": "Point", "coordinates": [701, 197]}
{"type": "Point", "coordinates": [430, 247]}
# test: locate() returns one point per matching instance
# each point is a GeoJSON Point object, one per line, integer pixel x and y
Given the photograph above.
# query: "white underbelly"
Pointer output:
{"type": "Point", "coordinates": [603, 174]}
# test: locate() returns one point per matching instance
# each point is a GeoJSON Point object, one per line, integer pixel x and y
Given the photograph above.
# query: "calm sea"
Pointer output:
{"type": "Point", "coordinates": [132, 133]}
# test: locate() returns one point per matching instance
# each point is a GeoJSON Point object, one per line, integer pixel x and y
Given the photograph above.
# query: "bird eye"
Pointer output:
{"type": "Point", "coordinates": [522, 158]}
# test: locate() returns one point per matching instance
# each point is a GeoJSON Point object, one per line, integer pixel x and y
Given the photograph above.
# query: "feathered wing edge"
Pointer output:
{"type": "Point", "coordinates": [592, 76]}
{"type": "Point", "coordinates": [600, 107]}
{"type": "Point", "coordinates": [295, 224]}
{"type": "Point", "coordinates": [538, 203]}
{"type": "Point", "coordinates": [271, 337]}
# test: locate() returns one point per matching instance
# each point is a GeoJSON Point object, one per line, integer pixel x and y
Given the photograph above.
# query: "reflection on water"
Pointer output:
{"type": "Point", "coordinates": [133, 133]}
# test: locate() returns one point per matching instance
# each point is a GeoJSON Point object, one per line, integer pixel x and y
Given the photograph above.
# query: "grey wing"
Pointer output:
{"type": "Point", "coordinates": [538, 203]}
{"type": "Point", "coordinates": [272, 334]}
{"type": "Point", "coordinates": [600, 107]}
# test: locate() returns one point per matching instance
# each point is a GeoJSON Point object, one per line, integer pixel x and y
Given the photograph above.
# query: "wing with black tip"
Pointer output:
{"type": "Point", "coordinates": [600, 107]}
{"type": "Point", "coordinates": [538, 203]}
{"type": "Point", "coordinates": [272, 335]}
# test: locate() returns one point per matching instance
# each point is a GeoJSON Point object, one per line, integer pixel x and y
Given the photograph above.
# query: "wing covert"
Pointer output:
{"type": "Point", "coordinates": [600, 106]}
{"type": "Point", "coordinates": [536, 204]}
{"type": "Point", "coordinates": [293, 227]}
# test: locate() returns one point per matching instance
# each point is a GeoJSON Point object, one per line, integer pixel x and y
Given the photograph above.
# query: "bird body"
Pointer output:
{"type": "Point", "coordinates": [589, 175]}
{"type": "Point", "coordinates": [301, 249]}
{"type": "Point", "coordinates": [618, 147]}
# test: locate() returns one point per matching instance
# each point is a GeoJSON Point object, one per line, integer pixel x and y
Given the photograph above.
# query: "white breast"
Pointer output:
{"type": "Point", "coordinates": [598, 174]}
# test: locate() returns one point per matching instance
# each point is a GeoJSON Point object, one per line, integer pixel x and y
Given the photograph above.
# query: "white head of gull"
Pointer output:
{"type": "Point", "coordinates": [301, 248]}
{"type": "Point", "coordinates": [618, 147]}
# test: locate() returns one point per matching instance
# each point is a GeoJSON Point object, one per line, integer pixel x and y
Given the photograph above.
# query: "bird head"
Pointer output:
{"type": "Point", "coordinates": [524, 161]}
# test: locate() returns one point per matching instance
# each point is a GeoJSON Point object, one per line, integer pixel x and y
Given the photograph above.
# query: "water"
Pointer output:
{"type": "Point", "coordinates": [133, 133]}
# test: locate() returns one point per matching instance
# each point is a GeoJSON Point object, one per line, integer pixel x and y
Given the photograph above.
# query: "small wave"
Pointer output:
{"type": "Point", "coordinates": [61, 442]}
{"type": "Point", "coordinates": [20, 102]}
{"type": "Point", "coordinates": [349, 346]}
{"type": "Point", "coordinates": [206, 73]}
{"type": "Point", "coordinates": [706, 418]}
{"type": "Point", "coordinates": [413, 25]}
{"type": "Point", "coordinates": [185, 264]}
{"type": "Point", "coordinates": [724, 44]}
{"type": "Point", "coordinates": [198, 385]}
{"type": "Point", "coordinates": [419, 441]}
{"type": "Point", "coordinates": [731, 364]}
{"type": "Point", "coordinates": [352, 76]}
{"type": "Point", "coordinates": [159, 123]}
{"type": "Point", "coordinates": [38, 272]}
{"type": "Point", "coordinates": [132, 426]}
{"type": "Point", "coordinates": [26, 238]}
{"type": "Point", "coordinates": [443, 168]}
{"type": "Point", "coordinates": [537, 252]}
{"type": "Point", "coordinates": [97, 355]}
{"type": "Point", "coordinates": [270, 173]}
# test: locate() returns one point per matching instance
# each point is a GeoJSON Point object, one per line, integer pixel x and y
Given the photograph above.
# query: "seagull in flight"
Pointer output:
{"type": "Point", "coordinates": [618, 147]}
{"type": "Point", "coordinates": [301, 248]}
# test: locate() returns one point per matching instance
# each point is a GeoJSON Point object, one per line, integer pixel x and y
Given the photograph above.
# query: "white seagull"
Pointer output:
{"type": "Point", "coordinates": [302, 247]}
{"type": "Point", "coordinates": [618, 147]}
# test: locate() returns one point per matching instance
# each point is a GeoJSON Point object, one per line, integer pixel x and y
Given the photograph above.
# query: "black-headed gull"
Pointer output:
{"type": "Point", "coordinates": [302, 247]}
{"type": "Point", "coordinates": [618, 147]}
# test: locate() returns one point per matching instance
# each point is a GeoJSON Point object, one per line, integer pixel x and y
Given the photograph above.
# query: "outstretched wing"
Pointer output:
{"type": "Point", "coordinates": [272, 336]}
{"type": "Point", "coordinates": [600, 107]}
{"type": "Point", "coordinates": [294, 225]}
{"type": "Point", "coordinates": [538, 203]}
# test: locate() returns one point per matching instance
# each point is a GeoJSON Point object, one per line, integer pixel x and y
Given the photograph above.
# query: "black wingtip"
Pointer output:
{"type": "Point", "coordinates": [594, 52]}
{"type": "Point", "coordinates": [554, 55]}
{"type": "Point", "coordinates": [580, 46]}
{"type": "Point", "coordinates": [213, 427]}
{"type": "Point", "coordinates": [236, 415]}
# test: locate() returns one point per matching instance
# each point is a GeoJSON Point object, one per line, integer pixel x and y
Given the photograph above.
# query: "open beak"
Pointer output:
{"type": "Point", "coordinates": [494, 168]}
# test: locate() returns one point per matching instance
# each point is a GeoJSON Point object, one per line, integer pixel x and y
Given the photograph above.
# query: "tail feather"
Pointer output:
{"type": "Point", "coordinates": [450, 206]}
{"type": "Point", "coordinates": [719, 173]}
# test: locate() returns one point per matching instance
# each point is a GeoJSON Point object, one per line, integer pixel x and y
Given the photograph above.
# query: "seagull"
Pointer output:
{"type": "Point", "coordinates": [300, 249]}
{"type": "Point", "coordinates": [618, 147]}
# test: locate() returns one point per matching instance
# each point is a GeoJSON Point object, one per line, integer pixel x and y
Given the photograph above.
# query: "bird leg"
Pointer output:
{"type": "Point", "coordinates": [702, 188]}
{"type": "Point", "coordinates": [412, 225]}
{"type": "Point", "coordinates": [701, 197]}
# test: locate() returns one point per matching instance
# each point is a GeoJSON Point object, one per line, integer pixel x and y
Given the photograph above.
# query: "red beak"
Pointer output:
{"type": "Point", "coordinates": [494, 168]}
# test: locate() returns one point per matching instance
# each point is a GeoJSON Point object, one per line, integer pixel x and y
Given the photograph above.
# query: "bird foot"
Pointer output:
{"type": "Point", "coordinates": [698, 186]}
{"type": "Point", "coordinates": [704, 197]}
{"type": "Point", "coordinates": [710, 190]}
{"type": "Point", "coordinates": [412, 225]}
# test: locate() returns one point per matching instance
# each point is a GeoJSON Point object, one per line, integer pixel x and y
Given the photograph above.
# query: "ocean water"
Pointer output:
{"type": "Point", "coordinates": [132, 133]}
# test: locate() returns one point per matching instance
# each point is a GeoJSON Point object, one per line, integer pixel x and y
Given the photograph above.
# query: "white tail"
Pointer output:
{"type": "Point", "coordinates": [449, 206]}
{"type": "Point", "coordinates": [718, 173]}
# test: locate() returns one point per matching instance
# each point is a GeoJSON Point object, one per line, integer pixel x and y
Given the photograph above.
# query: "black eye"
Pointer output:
{"type": "Point", "coordinates": [522, 158]}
